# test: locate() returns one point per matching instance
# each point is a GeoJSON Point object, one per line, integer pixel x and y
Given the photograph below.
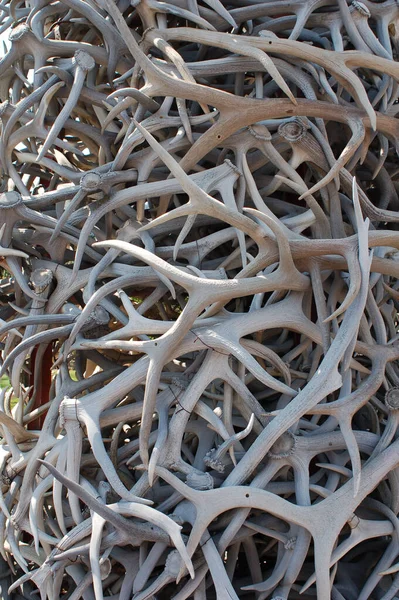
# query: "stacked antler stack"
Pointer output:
{"type": "Point", "coordinates": [199, 312]}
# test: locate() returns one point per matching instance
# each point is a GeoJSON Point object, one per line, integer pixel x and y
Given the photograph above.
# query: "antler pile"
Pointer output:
{"type": "Point", "coordinates": [200, 345]}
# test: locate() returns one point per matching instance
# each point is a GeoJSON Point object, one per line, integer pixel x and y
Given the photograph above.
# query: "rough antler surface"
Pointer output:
{"type": "Point", "coordinates": [199, 311]}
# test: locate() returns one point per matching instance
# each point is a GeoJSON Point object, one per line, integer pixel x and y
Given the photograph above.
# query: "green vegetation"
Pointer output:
{"type": "Point", "coordinates": [4, 381]}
